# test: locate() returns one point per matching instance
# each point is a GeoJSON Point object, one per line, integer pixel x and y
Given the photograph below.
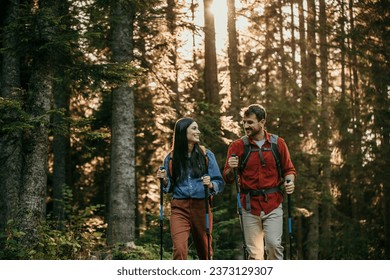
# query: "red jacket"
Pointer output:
{"type": "Point", "coordinates": [255, 176]}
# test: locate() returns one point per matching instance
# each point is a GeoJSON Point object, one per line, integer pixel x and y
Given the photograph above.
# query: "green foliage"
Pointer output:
{"type": "Point", "coordinates": [227, 236]}
{"type": "Point", "coordinates": [77, 237]}
{"type": "Point", "coordinates": [147, 251]}
{"type": "Point", "coordinates": [15, 119]}
{"type": "Point", "coordinates": [208, 118]}
{"type": "Point", "coordinates": [147, 247]}
{"type": "Point", "coordinates": [107, 74]}
{"type": "Point", "coordinates": [41, 32]}
{"type": "Point", "coordinates": [208, 115]}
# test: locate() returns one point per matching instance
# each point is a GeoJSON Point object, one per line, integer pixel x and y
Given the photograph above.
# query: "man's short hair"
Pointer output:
{"type": "Point", "coordinates": [256, 109]}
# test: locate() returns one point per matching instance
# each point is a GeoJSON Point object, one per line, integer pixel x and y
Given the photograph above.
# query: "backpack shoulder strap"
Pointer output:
{"type": "Point", "coordinates": [245, 140]}
{"type": "Point", "coordinates": [203, 148]}
{"type": "Point", "coordinates": [247, 151]}
{"type": "Point", "coordinates": [274, 149]}
{"type": "Point", "coordinates": [170, 172]}
{"type": "Point", "coordinates": [276, 153]}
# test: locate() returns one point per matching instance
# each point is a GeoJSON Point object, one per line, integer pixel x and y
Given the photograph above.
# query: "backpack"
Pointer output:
{"type": "Point", "coordinates": [274, 148]}
{"type": "Point", "coordinates": [170, 171]}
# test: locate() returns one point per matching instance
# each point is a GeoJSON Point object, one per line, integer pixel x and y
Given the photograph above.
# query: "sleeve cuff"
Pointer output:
{"type": "Point", "coordinates": [214, 190]}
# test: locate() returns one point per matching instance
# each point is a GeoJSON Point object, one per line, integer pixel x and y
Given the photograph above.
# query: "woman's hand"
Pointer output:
{"type": "Point", "coordinates": [206, 180]}
{"type": "Point", "coordinates": [162, 174]}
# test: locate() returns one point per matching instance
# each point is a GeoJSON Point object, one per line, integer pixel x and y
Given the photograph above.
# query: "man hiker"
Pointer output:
{"type": "Point", "coordinates": [262, 162]}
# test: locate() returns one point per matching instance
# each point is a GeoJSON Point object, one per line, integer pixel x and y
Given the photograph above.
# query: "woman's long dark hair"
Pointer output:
{"type": "Point", "coordinates": [180, 162]}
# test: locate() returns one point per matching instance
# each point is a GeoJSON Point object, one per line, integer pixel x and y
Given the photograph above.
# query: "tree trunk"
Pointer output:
{"type": "Point", "coordinates": [282, 54]}
{"type": "Point", "coordinates": [386, 189]}
{"type": "Point", "coordinates": [61, 140]}
{"type": "Point", "coordinates": [303, 50]}
{"type": "Point", "coordinates": [311, 95]}
{"type": "Point", "coordinates": [309, 124]}
{"type": "Point", "coordinates": [343, 49]}
{"type": "Point", "coordinates": [313, 235]}
{"type": "Point", "coordinates": [32, 208]}
{"type": "Point", "coordinates": [121, 222]}
{"type": "Point", "coordinates": [195, 91]}
{"type": "Point", "coordinates": [381, 79]}
{"type": "Point", "coordinates": [234, 67]}
{"type": "Point", "coordinates": [355, 156]}
{"type": "Point", "coordinates": [173, 83]}
{"type": "Point", "coordinates": [293, 47]}
{"type": "Point", "coordinates": [267, 57]}
{"type": "Point", "coordinates": [324, 138]}
{"type": "Point", "coordinates": [211, 86]}
{"type": "Point", "coordinates": [61, 152]}
{"type": "Point", "coordinates": [10, 143]}
{"type": "Point", "coordinates": [35, 151]}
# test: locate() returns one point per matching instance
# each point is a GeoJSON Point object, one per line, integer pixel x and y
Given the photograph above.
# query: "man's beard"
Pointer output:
{"type": "Point", "coordinates": [252, 132]}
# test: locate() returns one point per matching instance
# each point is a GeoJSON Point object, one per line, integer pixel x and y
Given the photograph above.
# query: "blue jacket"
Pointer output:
{"type": "Point", "coordinates": [193, 187]}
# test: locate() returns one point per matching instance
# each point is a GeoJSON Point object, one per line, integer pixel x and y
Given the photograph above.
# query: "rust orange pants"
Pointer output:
{"type": "Point", "coordinates": [189, 216]}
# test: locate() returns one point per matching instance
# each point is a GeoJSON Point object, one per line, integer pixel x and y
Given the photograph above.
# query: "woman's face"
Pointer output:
{"type": "Point", "coordinates": [193, 133]}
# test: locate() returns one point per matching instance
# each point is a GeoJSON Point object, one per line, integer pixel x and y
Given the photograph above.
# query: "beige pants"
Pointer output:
{"type": "Point", "coordinates": [264, 229]}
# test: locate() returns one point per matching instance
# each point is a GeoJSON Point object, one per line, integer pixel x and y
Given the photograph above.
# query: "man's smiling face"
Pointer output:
{"type": "Point", "coordinates": [252, 126]}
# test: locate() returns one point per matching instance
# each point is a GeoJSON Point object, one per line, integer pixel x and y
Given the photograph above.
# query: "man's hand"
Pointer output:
{"type": "Point", "coordinates": [233, 162]}
{"type": "Point", "coordinates": [289, 186]}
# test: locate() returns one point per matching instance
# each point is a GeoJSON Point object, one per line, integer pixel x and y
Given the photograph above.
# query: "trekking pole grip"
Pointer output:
{"type": "Point", "coordinates": [235, 170]}
{"type": "Point", "coordinates": [161, 168]}
{"type": "Point", "coordinates": [237, 187]}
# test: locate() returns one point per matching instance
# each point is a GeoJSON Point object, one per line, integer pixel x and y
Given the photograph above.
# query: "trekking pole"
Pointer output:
{"type": "Point", "coordinates": [290, 234]}
{"type": "Point", "coordinates": [161, 214]}
{"type": "Point", "coordinates": [206, 199]}
{"type": "Point", "coordinates": [239, 209]}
